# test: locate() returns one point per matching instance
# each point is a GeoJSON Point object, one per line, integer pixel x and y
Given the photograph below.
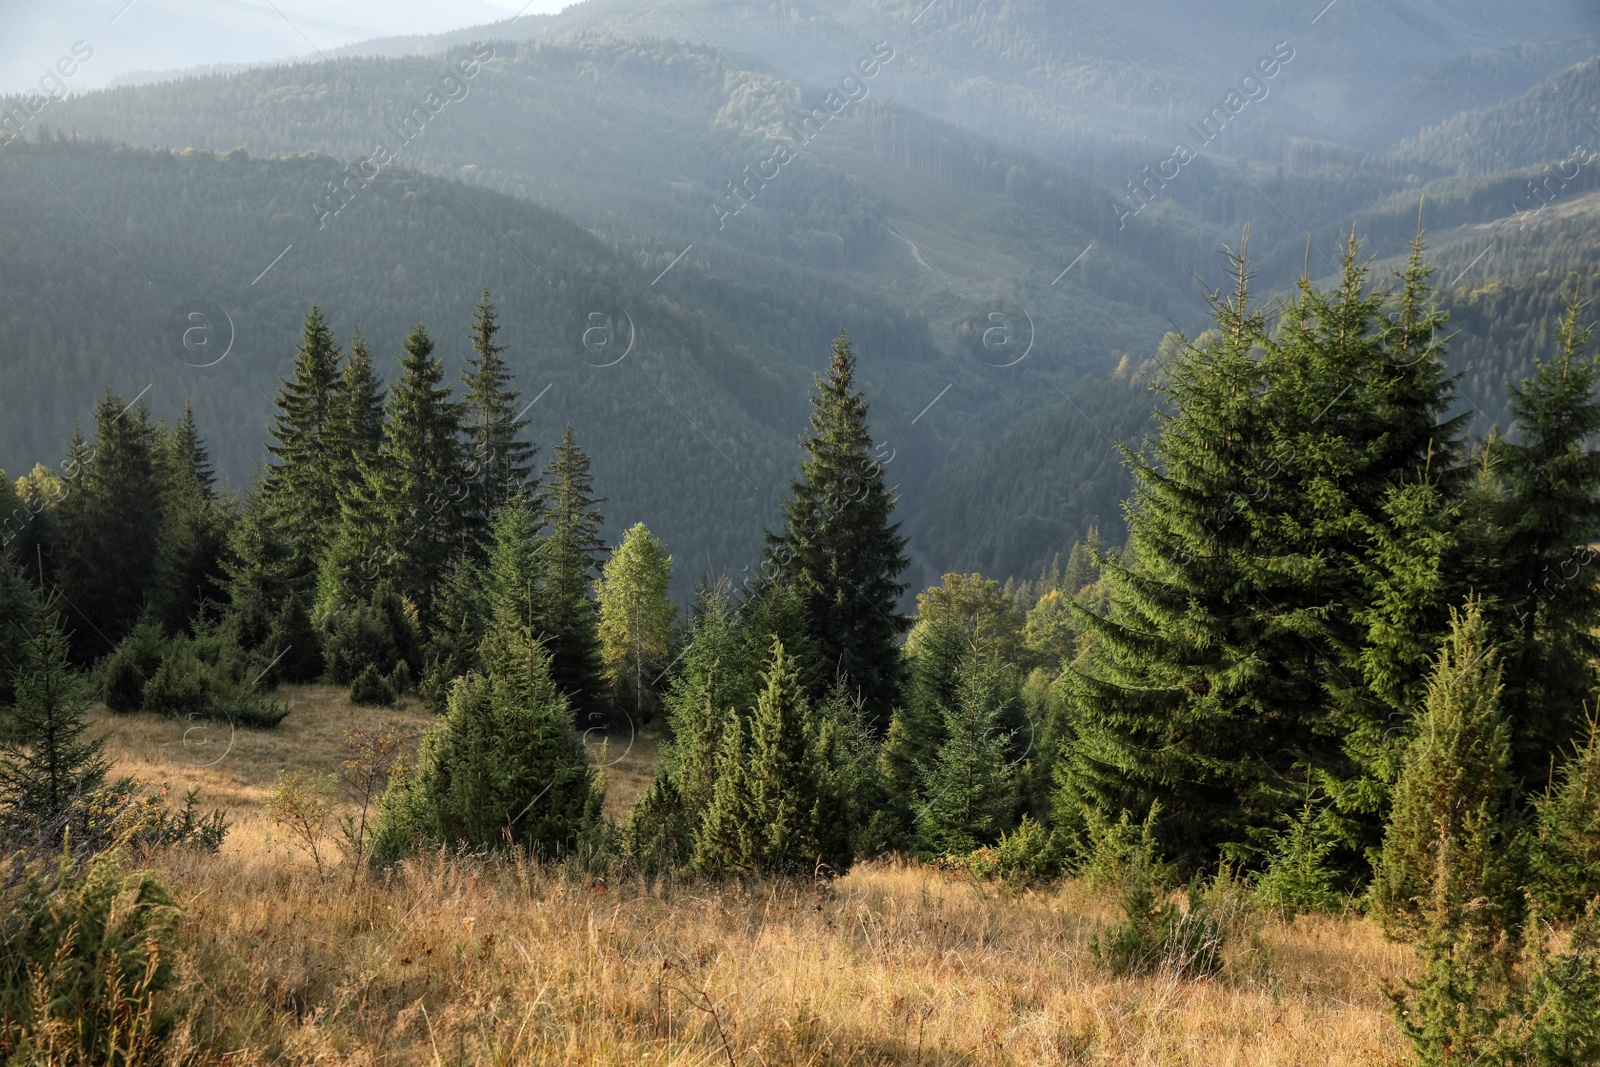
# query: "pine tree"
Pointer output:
{"type": "Point", "coordinates": [967, 796]}
{"type": "Point", "coordinates": [110, 522]}
{"type": "Point", "coordinates": [839, 548]}
{"type": "Point", "coordinates": [303, 484]}
{"type": "Point", "coordinates": [635, 619]}
{"type": "Point", "coordinates": [194, 528]}
{"type": "Point", "coordinates": [569, 561]}
{"type": "Point", "coordinates": [1550, 515]}
{"type": "Point", "coordinates": [47, 760]}
{"type": "Point", "coordinates": [499, 465]}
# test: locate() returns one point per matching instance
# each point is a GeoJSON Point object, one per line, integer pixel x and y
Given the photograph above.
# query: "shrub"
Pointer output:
{"type": "Point", "coordinates": [1113, 852]}
{"type": "Point", "coordinates": [85, 953]}
{"type": "Point", "coordinates": [292, 645]}
{"type": "Point", "coordinates": [1158, 935]}
{"type": "Point", "coordinates": [131, 664]}
{"type": "Point", "coordinates": [1029, 853]}
{"type": "Point", "coordinates": [380, 632]}
{"type": "Point", "coordinates": [1299, 877]}
{"type": "Point", "coordinates": [400, 678]}
{"type": "Point", "coordinates": [372, 690]}
{"type": "Point", "coordinates": [181, 685]}
{"type": "Point", "coordinates": [1565, 851]}
{"type": "Point", "coordinates": [301, 803]}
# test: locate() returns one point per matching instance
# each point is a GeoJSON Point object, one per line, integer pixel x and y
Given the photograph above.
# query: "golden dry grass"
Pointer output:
{"type": "Point", "coordinates": [473, 962]}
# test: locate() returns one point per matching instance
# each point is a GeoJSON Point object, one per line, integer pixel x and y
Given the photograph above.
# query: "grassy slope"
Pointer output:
{"type": "Point", "coordinates": [473, 963]}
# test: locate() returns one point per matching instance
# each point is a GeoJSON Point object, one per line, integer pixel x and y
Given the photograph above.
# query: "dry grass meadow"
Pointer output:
{"type": "Point", "coordinates": [468, 962]}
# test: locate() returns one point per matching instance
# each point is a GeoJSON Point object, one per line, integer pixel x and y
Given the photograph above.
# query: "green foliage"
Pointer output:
{"type": "Point", "coordinates": [372, 690]}
{"type": "Point", "coordinates": [499, 466]}
{"type": "Point", "coordinates": [457, 631]}
{"type": "Point", "coordinates": [1564, 855]}
{"type": "Point", "coordinates": [839, 548]}
{"type": "Point", "coordinates": [1300, 875]}
{"type": "Point", "coordinates": [1449, 803]}
{"type": "Point", "coordinates": [131, 664]}
{"type": "Point", "coordinates": [967, 795]}
{"type": "Point", "coordinates": [766, 804]}
{"type": "Point", "coordinates": [293, 644]}
{"type": "Point", "coordinates": [568, 559]}
{"type": "Point", "coordinates": [503, 767]}
{"type": "Point", "coordinates": [635, 620]}
{"type": "Point", "coordinates": [1157, 935]}
{"type": "Point", "coordinates": [1029, 854]}
{"type": "Point", "coordinates": [1120, 852]}
{"type": "Point", "coordinates": [378, 632]}
{"type": "Point", "coordinates": [48, 759]}
{"type": "Point", "coordinates": [86, 952]}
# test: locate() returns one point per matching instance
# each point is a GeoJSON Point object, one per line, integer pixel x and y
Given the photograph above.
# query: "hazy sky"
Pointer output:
{"type": "Point", "coordinates": [127, 36]}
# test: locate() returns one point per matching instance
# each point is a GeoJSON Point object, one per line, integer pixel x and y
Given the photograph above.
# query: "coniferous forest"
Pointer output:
{"type": "Point", "coordinates": [538, 644]}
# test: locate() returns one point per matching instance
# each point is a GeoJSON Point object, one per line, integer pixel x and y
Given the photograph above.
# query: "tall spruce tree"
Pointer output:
{"type": "Point", "coordinates": [303, 483]}
{"type": "Point", "coordinates": [357, 427]}
{"type": "Point", "coordinates": [839, 548]}
{"type": "Point", "coordinates": [967, 795]}
{"type": "Point", "coordinates": [1184, 701]}
{"type": "Point", "coordinates": [1549, 517]}
{"type": "Point", "coordinates": [499, 465]}
{"type": "Point", "coordinates": [1358, 405]}
{"type": "Point", "coordinates": [110, 521]}
{"type": "Point", "coordinates": [194, 528]}
{"type": "Point", "coordinates": [402, 523]}
{"type": "Point", "coordinates": [569, 560]}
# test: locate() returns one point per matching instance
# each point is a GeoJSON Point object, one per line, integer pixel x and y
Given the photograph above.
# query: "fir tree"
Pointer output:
{"type": "Point", "coordinates": [569, 560]}
{"type": "Point", "coordinates": [110, 524]}
{"type": "Point", "coordinates": [839, 548]}
{"type": "Point", "coordinates": [635, 619]}
{"type": "Point", "coordinates": [47, 760]}
{"type": "Point", "coordinates": [303, 483]}
{"type": "Point", "coordinates": [499, 465]}
{"type": "Point", "coordinates": [1550, 516]}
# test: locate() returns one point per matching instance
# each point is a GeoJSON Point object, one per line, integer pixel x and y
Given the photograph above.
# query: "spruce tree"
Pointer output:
{"type": "Point", "coordinates": [569, 560]}
{"type": "Point", "coordinates": [194, 529]}
{"type": "Point", "coordinates": [302, 485]}
{"type": "Point", "coordinates": [1187, 701]}
{"type": "Point", "coordinates": [1549, 518]}
{"type": "Point", "coordinates": [110, 523]}
{"type": "Point", "coordinates": [403, 520]}
{"type": "Point", "coordinates": [16, 616]}
{"type": "Point", "coordinates": [260, 563]}
{"type": "Point", "coordinates": [499, 465]}
{"type": "Point", "coordinates": [356, 432]}
{"type": "Point", "coordinates": [635, 620]}
{"type": "Point", "coordinates": [967, 796]}
{"type": "Point", "coordinates": [839, 547]}
{"type": "Point", "coordinates": [1565, 850]}
{"type": "Point", "coordinates": [768, 797]}
{"type": "Point", "coordinates": [47, 759]}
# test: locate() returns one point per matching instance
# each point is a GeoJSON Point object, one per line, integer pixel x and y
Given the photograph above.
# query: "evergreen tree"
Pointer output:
{"type": "Point", "coordinates": [194, 529]}
{"type": "Point", "coordinates": [110, 522]}
{"type": "Point", "coordinates": [967, 795]}
{"type": "Point", "coordinates": [47, 760]}
{"type": "Point", "coordinates": [456, 634]}
{"type": "Point", "coordinates": [1187, 700]}
{"type": "Point", "coordinates": [635, 619]}
{"type": "Point", "coordinates": [1452, 792]}
{"type": "Point", "coordinates": [260, 560]}
{"type": "Point", "coordinates": [499, 465]}
{"type": "Point", "coordinates": [1550, 516]}
{"type": "Point", "coordinates": [16, 612]}
{"type": "Point", "coordinates": [1358, 409]}
{"type": "Point", "coordinates": [766, 803]}
{"type": "Point", "coordinates": [1083, 567]}
{"type": "Point", "coordinates": [976, 608]}
{"type": "Point", "coordinates": [1565, 857]}
{"type": "Point", "coordinates": [403, 519]}
{"type": "Point", "coordinates": [839, 548]}
{"type": "Point", "coordinates": [569, 563]}
{"type": "Point", "coordinates": [302, 485]}
{"type": "Point", "coordinates": [357, 428]}
{"type": "Point", "coordinates": [504, 765]}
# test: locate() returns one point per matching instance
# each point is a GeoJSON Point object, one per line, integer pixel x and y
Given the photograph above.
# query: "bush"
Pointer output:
{"type": "Point", "coordinates": [131, 664]}
{"type": "Point", "coordinates": [292, 645]}
{"type": "Point", "coordinates": [400, 679]}
{"type": "Point", "coordinates": [1159, 935]}
{"type": "Point", "coordinates": [1028, 854]}
{"type": "Point", "coordinates": [1299, 877]}
{"type": "Point", "coordinates": [1113, 852]}
{"type": "Point", "coordinates": [181, 685]}
{"type": "Point", "coordinates": [377, 633]}
{"type": "Point", "coordinates": [85, 952]}
{"type": "Point", "coordinates": [372, 690]}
